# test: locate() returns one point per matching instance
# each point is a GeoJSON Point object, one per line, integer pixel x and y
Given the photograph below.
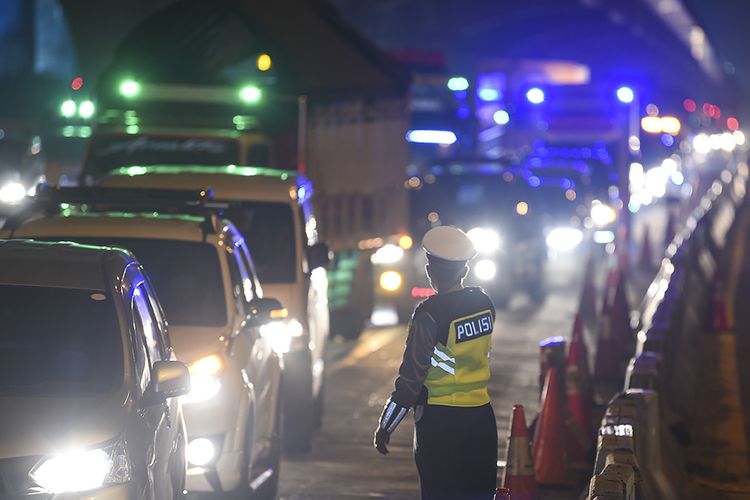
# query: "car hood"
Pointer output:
{"type": "Point", "coordinates": [194, 342]}
{"type": "Point", "coordinates": [43, 425]}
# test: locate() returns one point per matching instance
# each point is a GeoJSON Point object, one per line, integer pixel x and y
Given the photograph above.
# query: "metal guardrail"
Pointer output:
{"type": "Point", "coordinates": [643, 424]}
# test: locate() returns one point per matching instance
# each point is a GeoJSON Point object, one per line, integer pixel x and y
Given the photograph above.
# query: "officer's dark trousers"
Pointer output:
{"type": "Point", "coordinates": [456, 452]}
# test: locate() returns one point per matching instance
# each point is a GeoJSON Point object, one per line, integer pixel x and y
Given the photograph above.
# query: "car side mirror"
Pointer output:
{"type": "Point", "coordinates": [264, 310]}
{"type": "Point", "coordinates": [169, 379]}
{"type": "Point", "coordinates": [318, 255]}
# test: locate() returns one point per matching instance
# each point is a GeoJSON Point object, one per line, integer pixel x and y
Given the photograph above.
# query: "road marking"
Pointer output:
{"type": "Point", "coordinates": [369, 344]}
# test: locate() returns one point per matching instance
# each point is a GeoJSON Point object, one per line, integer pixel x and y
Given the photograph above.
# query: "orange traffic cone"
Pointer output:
{"type": "Point", "coordinates": [550, 458]}
{"type": "Point", "coordinates": [503, 494]}
{"type": "Point", "coordinates": [620, 319]}
{"type": "Point", "coordinates": [518, 476]}
{"type": "Point", "coordinates": [578, 403]}
{"type": "Point", "coordinates": [720, 317]}
{"type": "Point", "coordinates": [587, 304]}
{"type": "Point", "coordinates": [670, 230]}
{"type": "Point", "coordinates": [646, 259]}
{"type": "Point", "coordinates": [577, 336]}
{"type": "Point", "coordinates": [607, 358]}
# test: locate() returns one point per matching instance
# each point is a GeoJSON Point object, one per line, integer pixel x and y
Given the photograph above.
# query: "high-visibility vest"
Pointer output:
{"type": "Point", "coordinates": [460, 360]}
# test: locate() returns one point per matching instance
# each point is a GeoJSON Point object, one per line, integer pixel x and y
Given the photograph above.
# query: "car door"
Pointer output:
{"type": "Point", "coordinates": [158, 417]}
{"type": "Point", "coordinates": [256, 350]}
{"type": "Point", "coordinates": [176, 431]}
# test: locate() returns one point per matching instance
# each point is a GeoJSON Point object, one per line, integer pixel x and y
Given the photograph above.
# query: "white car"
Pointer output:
{"type": "Point", "coordinates": [273, 209]}
{"type": "Point", "coordinates": [205, 278]}
{"type": "Point", "coordinates": [88, 380]}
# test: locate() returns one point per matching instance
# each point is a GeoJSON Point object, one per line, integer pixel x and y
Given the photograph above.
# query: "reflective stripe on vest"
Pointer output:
{"type": "Point", "coordinates": [460, 369]}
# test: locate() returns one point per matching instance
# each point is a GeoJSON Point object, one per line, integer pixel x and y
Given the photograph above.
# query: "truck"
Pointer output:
{"type": "Point", "coordinates": [526, 156]}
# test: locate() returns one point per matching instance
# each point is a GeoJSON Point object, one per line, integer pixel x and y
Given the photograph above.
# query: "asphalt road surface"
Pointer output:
{"type": "Point", "coordinates": [343, 463]}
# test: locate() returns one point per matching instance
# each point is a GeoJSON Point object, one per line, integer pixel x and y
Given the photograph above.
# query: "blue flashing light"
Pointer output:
{"type": "Point", "coordinates": [489, 169]}
{"type": "Point", "coordinates": [566, 184]}
{"type": "Point", "coordinates": [488, 94]}
{"type": "Point", "coordinates": [501, 117]}
{"type": "Point", "coordinates": [534, 181]}
{"type": "Point", "coordinates": [535, 95]}
{"type": "Point", "coordinates": [458, 83]}
{"type": "Point", "coordinates": [667, 140]}
{"type": "Point", "coordinates": [625, 95]}
{"type": "Point", "coordinates": [463, 112]}
{"type": "Point", "coordinates": [460, 95]}
{"type": "Point", "coordinates": [445, 137]}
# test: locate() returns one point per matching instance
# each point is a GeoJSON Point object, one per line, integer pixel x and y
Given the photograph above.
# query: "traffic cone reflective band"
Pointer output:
{"type": "Point", "coordinates": [578, 417]}
{"type": "Point", "coordinates": [550, 457]}
{"type": "Point", "coordinates": [503, 494]}
{"type": "Point", "coordinates": [519, 468]}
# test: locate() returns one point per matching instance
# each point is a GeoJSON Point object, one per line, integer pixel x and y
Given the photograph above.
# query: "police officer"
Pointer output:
{"type": "Point", "coordinates": [443, 377]}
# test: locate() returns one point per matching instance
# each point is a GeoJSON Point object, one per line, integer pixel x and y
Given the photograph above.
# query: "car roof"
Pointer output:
{"type": "Point", "coordinates": [109, 224]}
{"type": "Point", "coordinates": [60, 264]}
{"type": "Point", "coordinates": [229, 182]}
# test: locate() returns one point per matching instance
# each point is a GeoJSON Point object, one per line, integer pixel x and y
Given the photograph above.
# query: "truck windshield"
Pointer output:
{"type": "Point", "coordinates": [269, 231]}
{"type": "Point", "coordinates": [186, 274]}
{"type": "Point", "coordinates": [478, 200]}
{"type": "Point", "coordinates": [58, 341]}
{"type": "Point", "coordinates": [108, 152]}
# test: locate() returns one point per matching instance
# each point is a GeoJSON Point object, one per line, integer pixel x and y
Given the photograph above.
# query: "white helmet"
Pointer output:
{"type": "Point", "coordinates": [448, 243]}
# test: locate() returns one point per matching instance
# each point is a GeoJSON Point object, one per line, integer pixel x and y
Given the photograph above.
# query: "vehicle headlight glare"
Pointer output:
{"type": "Point", "coordinates": [205, 379]}
{"type": "Point", "coordinates": [485, 270]}
{"type": "Point", "coordinates": [281, 334]}
{"type": "Point", "coordinates": [387, 254]}
{"type": "Point", "coordinates": [200, 452]}
{"type": "Point", "coordinates": [12, 192]}
{"type": "Point", "coordinates": [486, 241]}
{"type": "Point", "coordinates": [564, 239]}
{"type": "Point", "coordinates": [390, 281]}
{"type": "Point", "coordinates": [602, 215]}
{"type": "Point", "coordinates": [83, 470]}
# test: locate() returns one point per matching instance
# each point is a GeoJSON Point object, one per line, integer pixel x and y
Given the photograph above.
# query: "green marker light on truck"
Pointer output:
{"type": "Point", "coordinates": [250, 94]}
{"type": "Point", "coordinates": [130, 88]}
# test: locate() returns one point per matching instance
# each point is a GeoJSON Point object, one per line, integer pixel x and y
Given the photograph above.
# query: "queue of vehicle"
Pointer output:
{"type": "Point", "coordinates": [231, 337]}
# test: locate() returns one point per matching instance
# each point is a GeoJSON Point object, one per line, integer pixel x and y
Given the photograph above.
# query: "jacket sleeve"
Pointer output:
{"type": "Point", "coordinates": [420, 343]}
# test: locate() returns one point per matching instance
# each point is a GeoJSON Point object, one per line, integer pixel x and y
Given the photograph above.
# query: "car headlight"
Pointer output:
{"type": "Point", "coordinates": [200, 452]}
{"type": "Point", "coordinates": [486, 241]}
{"type": "Point", "coordinates": [282, 334]}
{"type": "Point", "coordinates": [12, 192]}
{"type": "Point", "coordinates": [563, 239]}
{"type": "Point", "coordinates": [205, 379]}
{"type": "Point", "coordinates": [387, 254]}
{"type": "Point", "coordinates": [601, 214]}
{"type": "Point", "coordinates": [485, 269]}
{"type": "Point", "coordinates": [83, 470]}
{"type": "Point", "coordinates": [391, 281]}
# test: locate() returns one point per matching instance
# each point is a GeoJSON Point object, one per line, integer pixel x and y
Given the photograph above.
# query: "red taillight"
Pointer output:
{"type": "Point", "coordinates": [422, 293]}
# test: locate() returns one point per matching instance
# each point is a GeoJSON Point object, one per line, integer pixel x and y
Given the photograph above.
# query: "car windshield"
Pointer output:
{"type": "Point", "coordinates": [59, 341]}
{"type": "Point", "coordinates": [269, 231]}
{"type": "Point", "coordinates": [186, 274]}
{"type": "Point", "coordinates": [109, 152]}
